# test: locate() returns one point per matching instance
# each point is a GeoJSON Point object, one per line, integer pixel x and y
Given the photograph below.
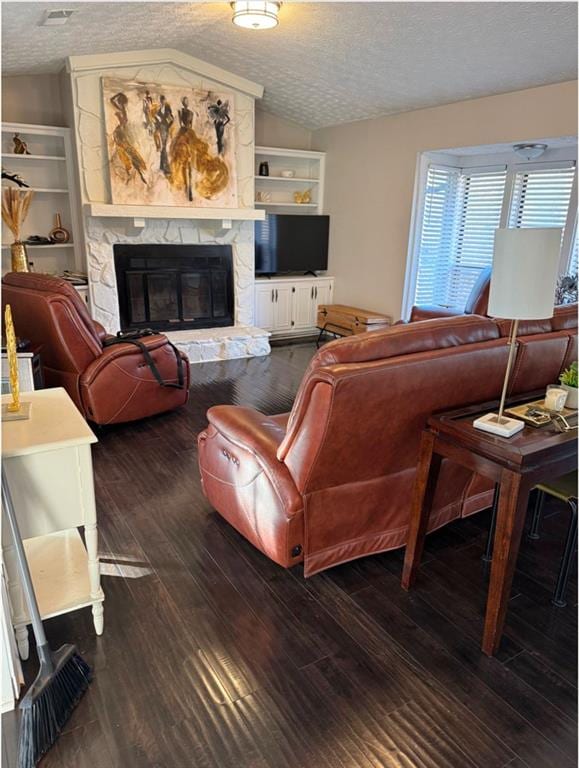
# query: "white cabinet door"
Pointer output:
{"type": "Point", "coordinates": [283, 301]}
{"type": "Point", "coordinates": [322, 295]}
{"type": "Point", "coordinates": [324, 292]}
{"type": "Point", "coordinates": [303, 303]}
{"type": "Point", "coordinates": [265, 306]}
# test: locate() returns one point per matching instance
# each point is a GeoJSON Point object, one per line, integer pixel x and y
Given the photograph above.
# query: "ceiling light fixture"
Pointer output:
{"type": "Point", "coordinates": [255, 14]}
{"type": "Point", "coordinates": [529, 151]}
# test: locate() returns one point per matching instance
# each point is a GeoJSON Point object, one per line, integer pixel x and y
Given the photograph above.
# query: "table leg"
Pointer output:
{"type": "Point", "coordinates": [18, 608]}
{"type": "Point", "coordinates": [423, 495]}
{"type": "Point", "coordinates": [91, 538]}
{"type": "Point", "coordinates": [513, 501]}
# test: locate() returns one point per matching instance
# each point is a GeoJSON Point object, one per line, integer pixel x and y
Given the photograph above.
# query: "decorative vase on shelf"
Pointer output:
{"type": "Point", "coordinates": [58, 234]}
{"type": "Point", "coordinates": [19, 257]}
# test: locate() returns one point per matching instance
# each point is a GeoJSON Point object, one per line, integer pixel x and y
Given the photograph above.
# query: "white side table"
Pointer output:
{"type": "Point", "coordinates": [49, 470]}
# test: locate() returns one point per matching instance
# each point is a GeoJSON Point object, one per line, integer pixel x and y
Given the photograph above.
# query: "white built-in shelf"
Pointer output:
{"type": "Point", "coordinates": [284, 178]}
{"type": "Point", "coordinates": [13, 156]}
{"type": "Point", "coordinates": [287, 205]}
{"type": "Point", "coordinates": [41, 190]}
{"type": "Point", "coordinates": [309, 169]}
{"type": "Point", "coordinates": [47, 246]}
{"type": "Point", "coordinates": [139, 213]}
{"type": "Point", "coordinates": [49, 171]}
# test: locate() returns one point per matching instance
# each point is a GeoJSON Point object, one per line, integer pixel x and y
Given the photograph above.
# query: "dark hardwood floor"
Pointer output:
{"type": "Point", "coordinates": [212, 656]}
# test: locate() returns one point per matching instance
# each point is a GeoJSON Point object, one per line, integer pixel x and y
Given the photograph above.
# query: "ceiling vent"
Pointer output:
{"type": "Point", "coordinates": [55, 18]}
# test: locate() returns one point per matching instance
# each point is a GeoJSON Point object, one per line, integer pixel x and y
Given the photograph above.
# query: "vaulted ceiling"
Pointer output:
{"type": "Point", "coordinates": [327, 62]}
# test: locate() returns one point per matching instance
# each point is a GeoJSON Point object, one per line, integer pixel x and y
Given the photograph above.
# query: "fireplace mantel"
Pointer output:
{"type": "Point", "coordinates": [139, 213]}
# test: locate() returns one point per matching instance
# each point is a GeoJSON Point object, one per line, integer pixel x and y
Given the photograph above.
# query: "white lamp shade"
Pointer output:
{"type": "Point", "coordinates": [525, 269]}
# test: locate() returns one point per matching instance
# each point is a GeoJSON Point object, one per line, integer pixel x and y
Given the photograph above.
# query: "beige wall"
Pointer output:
{"type": "Point", "coordinates": [34, 99]}
{"type": "Point", "coordinates": [370, 171]}
{"type": "Point", "coordinates": [272, 131]}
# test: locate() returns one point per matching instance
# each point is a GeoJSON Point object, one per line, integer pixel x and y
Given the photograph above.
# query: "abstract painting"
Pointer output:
{"type": "Point", "coordinates": [170, 145]}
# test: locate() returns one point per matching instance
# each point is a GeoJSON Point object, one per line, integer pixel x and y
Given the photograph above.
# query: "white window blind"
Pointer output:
{"type": "Point", "coordinates": [462, 209]}
{"type": "Point", "coordinates": [437, 234]}
{"type": "Point", "coordinates": [541, 197]}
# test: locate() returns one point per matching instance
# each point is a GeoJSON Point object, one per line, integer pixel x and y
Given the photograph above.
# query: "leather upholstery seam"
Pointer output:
{"type": "Point", "coordinates": [259, 461]}
{"type": "Point", "coordinates": [125, 404]}
{"type": "Point", "coordinates": [234, 485]}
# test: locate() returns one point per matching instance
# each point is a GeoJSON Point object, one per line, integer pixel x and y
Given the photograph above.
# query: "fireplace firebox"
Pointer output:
{"type": "Point", "coordinates": [174, 287]}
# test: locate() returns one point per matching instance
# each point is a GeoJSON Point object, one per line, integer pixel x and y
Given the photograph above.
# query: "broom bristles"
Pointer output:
{"type": "Point", "coordinates": [48, 704]}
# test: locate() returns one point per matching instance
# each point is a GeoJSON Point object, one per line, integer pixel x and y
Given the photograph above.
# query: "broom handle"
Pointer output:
{"type": "Point", "coordinates": [37, 626]}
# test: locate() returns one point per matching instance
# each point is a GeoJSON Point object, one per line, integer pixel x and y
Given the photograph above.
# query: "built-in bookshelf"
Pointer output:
{"type": "Point", "coordinates": [48, 170]}
{"type": "Point", "coordinates": [307, 168]}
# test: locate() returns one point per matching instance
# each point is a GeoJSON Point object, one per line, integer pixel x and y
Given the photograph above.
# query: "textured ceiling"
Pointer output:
{"type": "Point", "coordinates": [326, 63]}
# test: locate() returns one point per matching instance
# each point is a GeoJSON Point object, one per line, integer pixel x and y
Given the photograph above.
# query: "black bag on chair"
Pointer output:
{"type": "Point", "coordinates": [133, 337]}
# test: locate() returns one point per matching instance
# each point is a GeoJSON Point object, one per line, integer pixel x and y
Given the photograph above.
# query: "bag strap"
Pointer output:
{"type": "Point", "coordinates": [133, 337]}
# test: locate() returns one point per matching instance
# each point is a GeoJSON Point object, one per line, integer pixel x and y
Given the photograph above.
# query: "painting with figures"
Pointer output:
{"type": "Point", "coordinates": [170, 145]}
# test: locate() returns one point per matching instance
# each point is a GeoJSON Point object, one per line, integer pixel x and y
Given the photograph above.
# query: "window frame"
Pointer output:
{"type": "Point", "coordinates": [469, 163]}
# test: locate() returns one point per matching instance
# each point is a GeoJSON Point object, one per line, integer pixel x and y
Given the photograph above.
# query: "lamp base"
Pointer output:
{"type": "Point", "coordinates": [22, 413]}
{"type": "Point", "coordinates": [506, 427]}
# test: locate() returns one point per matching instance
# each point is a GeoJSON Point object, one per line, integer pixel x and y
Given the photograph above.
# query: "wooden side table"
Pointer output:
{"type": "Point", "coordinates": [49, 470]}
{"type": "Point", "coordinates": [516, 464]}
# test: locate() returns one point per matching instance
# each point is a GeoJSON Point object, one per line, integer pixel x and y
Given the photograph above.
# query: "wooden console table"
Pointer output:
{"type": "Point", "coordinates": [49, 470]}
{"type": "Point", "coordinates": [516, 464]}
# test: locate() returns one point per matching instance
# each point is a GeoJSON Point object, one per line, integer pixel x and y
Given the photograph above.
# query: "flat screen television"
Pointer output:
{"type": "Point", "coordinates": [285, 243]}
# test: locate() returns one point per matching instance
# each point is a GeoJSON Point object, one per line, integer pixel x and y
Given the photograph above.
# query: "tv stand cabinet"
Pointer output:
{"type": "Point", "coordinates": [288, 306]}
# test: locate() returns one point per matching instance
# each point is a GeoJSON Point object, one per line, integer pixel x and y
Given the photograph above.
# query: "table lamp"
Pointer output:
{"type": "Point", "coordinates": [525, 268]}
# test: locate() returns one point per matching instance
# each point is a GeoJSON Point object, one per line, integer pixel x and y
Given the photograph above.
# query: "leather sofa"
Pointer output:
{"type": "Point", "coordinates": [477, 302]}
{"type": "Point", "coordinates": [332, 481]}
{"type": "Point", "coordinates": [109, 385]}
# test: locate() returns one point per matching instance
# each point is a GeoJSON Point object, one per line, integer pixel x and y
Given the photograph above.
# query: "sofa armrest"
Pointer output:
{"type": "Point", "coordinates": [248, 428]}
{"type": "Point", "coordinates": [428, 312]}
{"type": "Point", "coordinates": [261, 436]}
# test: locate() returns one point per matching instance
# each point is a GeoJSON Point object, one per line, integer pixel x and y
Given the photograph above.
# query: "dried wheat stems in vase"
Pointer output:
{"type": "Point", "coordinates": [15, 205]}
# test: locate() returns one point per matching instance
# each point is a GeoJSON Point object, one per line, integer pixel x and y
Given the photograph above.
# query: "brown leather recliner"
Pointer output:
{"type": "Point", "coordinates": [333, 480]}
{"type": "Point", "coordinates": [109, 385]}
{"type": "Point", "coordinates": [477, 302]}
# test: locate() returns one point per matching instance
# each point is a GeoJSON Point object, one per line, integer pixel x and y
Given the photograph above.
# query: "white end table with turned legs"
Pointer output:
{"type": "Point", "coordinates": [49, 471]}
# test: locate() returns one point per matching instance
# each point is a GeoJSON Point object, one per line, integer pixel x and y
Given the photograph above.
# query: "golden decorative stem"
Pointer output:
{"type": "Point", "coordinates": [14, 406]}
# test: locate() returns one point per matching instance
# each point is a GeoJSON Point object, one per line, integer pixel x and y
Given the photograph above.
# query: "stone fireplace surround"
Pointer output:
{"type": "Point", "coordinates": [100, 233]}
{"type": "Point", "coordinates": [241, 340]}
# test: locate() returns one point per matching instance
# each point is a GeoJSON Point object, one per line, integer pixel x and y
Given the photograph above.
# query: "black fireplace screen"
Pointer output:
{"type": "Point", "coordinates": [170, 287]}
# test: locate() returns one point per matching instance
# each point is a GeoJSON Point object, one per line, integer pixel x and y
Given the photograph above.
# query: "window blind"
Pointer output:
{"type": "Point", "coordinates": [541, 197]}
{"type": "Point", "coordinates": [480, 203]}
{"type": "Point", "coordinates": [462, 209]}
{"type": "Point", "coordinates": [437, 234]}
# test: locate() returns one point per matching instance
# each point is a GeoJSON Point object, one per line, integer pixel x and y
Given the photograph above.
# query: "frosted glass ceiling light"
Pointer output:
{"type": "Point", "coordinates": [255, 14]}
{"type": "Point", "coordinates": [529, 151]}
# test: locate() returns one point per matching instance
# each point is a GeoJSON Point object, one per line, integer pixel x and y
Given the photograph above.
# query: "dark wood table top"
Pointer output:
{"type": "Point", "coordinates": [526, 448]}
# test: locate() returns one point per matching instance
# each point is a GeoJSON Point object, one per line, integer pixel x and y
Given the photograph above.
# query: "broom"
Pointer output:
{"type": "Point", "coordinates": [63, 676]}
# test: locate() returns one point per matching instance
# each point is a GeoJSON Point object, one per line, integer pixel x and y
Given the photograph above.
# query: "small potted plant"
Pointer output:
{"type": "Point", "coordinates": [568, 381]}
